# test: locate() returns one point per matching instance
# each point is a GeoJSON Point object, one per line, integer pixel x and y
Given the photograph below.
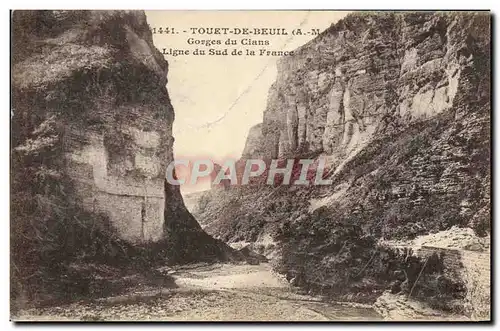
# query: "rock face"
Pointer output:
{"type": "Point", "coordinates": [368, 75]}
{"type": "Point", "coordinates": [403, 99]}
{"type": "Point", "coordinates": [253, 147]}
{"type": "Point", "coordinates": [100, 77]}
{"type": "Point", "coordinates": [399, 105]}
{"type": "Point", "coordinates": [97, 77]}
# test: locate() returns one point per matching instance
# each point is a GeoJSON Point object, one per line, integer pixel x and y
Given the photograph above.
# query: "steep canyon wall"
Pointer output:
{"type": "Point", "coordinates": [369, 75]}
{"type": "Point", "coordinates": [399, 105]}
{"type": "Point", "coordinates": [92, 122]}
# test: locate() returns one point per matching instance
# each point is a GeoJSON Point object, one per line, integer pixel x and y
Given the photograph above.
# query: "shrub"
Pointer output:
{"type": "Point", "coordinates": [333, 257]}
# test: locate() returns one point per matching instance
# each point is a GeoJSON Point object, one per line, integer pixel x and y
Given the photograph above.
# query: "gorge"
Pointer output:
{"type": "Point", "coordinates": [91, 138]}
{"type": "Point", "coordinates": [399, 105]}
{"type": "Point", "coordinates": [395, 106]}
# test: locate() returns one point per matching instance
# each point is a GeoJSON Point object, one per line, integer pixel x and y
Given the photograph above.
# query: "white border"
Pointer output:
{"type": "Point", "coordinates": [187, 4]}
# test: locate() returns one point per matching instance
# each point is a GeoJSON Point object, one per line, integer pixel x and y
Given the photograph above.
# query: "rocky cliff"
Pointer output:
{"type": "Point", "coordinates": [254, 144]}
{"type": "Point", "coordinates": [399, 105]}
{"type": "Point", "coordinates": [403, 99]}
{"type": "Point", "coordinates": [370, 75]}
{"type": "Point", "coordinates": [91, 139]}
{"type": "Point", "coordinates": [98, 77]}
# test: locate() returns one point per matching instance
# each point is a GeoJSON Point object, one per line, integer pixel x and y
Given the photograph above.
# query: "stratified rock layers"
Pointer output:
{"type": "Point", "coordinates": [399, 105]}
{"type": "Point", "coordinates": [369, 75]}
{"type": "Point", "coordinates": [99, 78]}
{"type": "Point", "coordinates": [402, 98]}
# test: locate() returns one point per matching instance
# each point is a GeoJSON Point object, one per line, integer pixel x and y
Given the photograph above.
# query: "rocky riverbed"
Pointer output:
{"type": "Point", "coordinates": [221, 292]}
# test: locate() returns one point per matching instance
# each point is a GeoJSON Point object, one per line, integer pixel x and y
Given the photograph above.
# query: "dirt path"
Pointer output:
{"type": "Point", "coordinates": [214, 293]}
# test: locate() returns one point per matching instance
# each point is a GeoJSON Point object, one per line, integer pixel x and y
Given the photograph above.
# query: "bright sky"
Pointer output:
{"type": "Point", "coordinates": [228, 91]}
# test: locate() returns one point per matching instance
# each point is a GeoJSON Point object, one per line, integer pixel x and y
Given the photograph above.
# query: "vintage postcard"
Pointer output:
{"type": "Point", "coordinates": [250, 165]}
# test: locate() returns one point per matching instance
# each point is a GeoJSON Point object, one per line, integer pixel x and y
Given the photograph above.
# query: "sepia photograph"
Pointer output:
{"type": "Point", "coordinates": [250, 165]}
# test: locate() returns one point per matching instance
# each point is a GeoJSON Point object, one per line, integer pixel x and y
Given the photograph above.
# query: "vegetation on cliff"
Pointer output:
{"type": "Point", "coordinates": [400, 104]}
{"type": "Point", "coordinates": [78, 77]}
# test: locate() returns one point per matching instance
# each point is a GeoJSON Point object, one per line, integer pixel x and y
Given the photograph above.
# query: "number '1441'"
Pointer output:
{"type": "Point", "coordinates": [162, 30]}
